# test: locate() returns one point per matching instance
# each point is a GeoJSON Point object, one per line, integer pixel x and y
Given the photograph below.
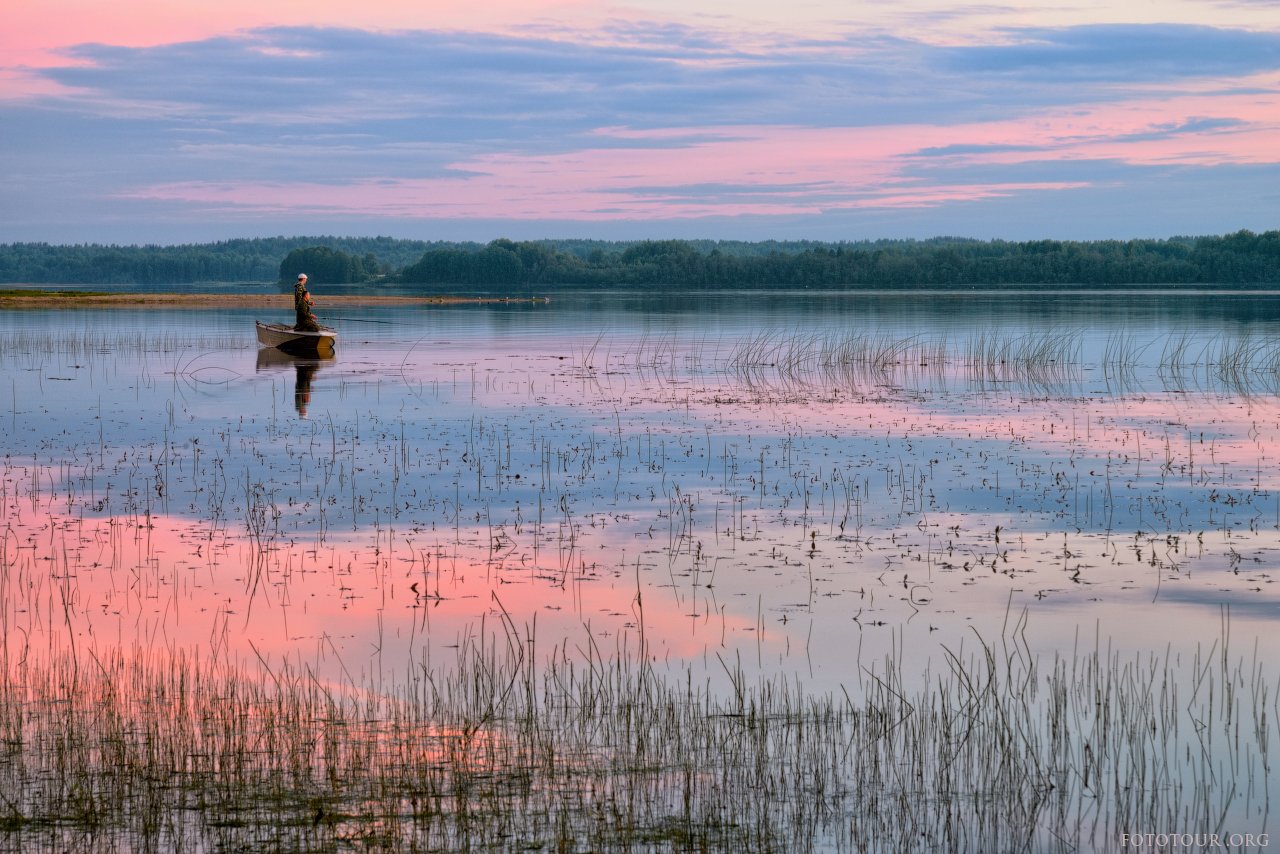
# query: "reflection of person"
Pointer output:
{"type": "Point", "coordinates": [302, 389]}
{"type": "Point", "coordinates": [306, 321]}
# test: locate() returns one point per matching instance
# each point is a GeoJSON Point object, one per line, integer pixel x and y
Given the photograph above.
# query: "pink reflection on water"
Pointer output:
{"type": "Point", "coordinates": [355, 607]}
{"type": "Point", "coordinates": [792, 528]}
{"type": "Point", "coordinates": [1190, 472]}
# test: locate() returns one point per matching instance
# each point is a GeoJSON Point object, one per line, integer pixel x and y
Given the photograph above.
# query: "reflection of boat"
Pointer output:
{"type": "Point", "coordinates": [277, 359]}
{"type": "Point", "coordinates": [291, 340]}
{"type": "Point", "coordinates": [306, 367]}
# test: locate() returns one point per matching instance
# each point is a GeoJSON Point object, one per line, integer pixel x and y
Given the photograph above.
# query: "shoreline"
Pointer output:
{"type": "Point", "coordinates": [78, 299]}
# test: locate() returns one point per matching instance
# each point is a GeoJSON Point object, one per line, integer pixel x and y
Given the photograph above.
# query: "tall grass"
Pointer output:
{"type": "Point", "coordinates": [583, 751]}
{"type": "Point", "coordinates": [86, 342]}
{"type": "Point", "coordinates": [1240, 364]}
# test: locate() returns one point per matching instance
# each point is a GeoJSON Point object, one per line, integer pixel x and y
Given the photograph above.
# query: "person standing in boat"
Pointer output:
{"type": "Point", "coordinates": [306, 321]}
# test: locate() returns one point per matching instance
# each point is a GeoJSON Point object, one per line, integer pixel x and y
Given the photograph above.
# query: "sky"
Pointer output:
{"type": "Point", "coordinates": [171, 121]}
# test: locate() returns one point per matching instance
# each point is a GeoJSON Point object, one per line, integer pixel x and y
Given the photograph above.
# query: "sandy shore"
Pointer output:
{"type": "Point", "coordinates": [74, 299]}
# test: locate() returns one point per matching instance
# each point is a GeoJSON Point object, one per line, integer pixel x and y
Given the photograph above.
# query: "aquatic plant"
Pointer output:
{"type": "Point", "coordinates": [583, 751]}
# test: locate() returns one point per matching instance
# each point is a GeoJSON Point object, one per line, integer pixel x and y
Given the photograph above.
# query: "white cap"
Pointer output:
{"type": "Point", "coordinates": [302, 275]}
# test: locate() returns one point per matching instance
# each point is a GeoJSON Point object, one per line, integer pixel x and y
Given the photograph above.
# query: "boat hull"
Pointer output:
{"type": "Point", "coordinates": [296, 341]}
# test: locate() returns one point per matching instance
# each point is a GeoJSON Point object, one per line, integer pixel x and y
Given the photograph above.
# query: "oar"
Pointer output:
{"type": "Point", "coordinates": [358, 320]}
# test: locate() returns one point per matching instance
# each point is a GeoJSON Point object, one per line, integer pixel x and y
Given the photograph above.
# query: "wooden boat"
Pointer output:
{"type": "Point", "coordinates": [296, 341]}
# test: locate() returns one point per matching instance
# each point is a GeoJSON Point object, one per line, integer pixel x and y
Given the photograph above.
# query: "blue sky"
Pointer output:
{"type": "Point", "coordinates": [588, 121]}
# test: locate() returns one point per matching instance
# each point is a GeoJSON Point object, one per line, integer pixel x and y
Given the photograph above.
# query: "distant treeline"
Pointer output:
{"type": "Point", "coordinates": [1242, 258]}
{"type": "Point", "coordinates": [247, 260]}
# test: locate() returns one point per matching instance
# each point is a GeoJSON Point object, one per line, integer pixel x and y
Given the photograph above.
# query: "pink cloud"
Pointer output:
{"type": "Point", "coordinates": [35, 29]}
{"type": "Point", "coordinates": [783, 171]}
{"type": "Point", "coordinates": [779, 170]}
{"type": "Point", "coordinates": [36, 32]}
{"type": "Point", "coordinates": [622, 173]}
{"type": "Point", "coordinates": [1195, 129]}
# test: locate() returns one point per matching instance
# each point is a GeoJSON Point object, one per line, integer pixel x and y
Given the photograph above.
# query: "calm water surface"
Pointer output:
{"type": "Point", "coordinates": [800, 484]}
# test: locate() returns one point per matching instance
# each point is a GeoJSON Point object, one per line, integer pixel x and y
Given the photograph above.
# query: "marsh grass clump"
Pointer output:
{"type": "Point", "coordinates": [829, 359]}
{"type": "Point", "coordinates": [28, 344]}
{"type": "Point", "coordinates": [1049, 358]}
{"type": "Point", "coordinates": [798, 359]}
{"type": "Point", "coordinates": [584, 752]}
{"type": "Point", "coordinates": [1231, 363]}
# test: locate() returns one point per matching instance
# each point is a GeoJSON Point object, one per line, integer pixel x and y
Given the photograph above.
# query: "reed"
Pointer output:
{"type": "Point", "coordinates": [86, 342]}
{"type": "Point", "coordinates": [583, 751]}
{"type": "Point", "coordinates": [1230, 363]}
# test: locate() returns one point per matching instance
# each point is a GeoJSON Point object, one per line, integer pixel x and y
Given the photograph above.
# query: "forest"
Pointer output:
{"type": "Point", "coordinates": [1240, 258]}
{"type": "Point", "coordinates": [243, 260]}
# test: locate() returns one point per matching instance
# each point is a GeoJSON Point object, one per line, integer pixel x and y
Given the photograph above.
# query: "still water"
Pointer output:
{"type": "Point", "coordinates": [798, 484]}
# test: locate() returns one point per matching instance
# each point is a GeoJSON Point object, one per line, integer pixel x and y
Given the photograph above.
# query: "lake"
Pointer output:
{"type": "Point", "coordinates": [736, 487]}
